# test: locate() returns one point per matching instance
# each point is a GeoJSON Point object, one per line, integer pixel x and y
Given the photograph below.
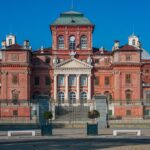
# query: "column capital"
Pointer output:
{"type": "Point", "coordinates": [89, 75]}
{"type": "Point", "coordinates": [66, 75]}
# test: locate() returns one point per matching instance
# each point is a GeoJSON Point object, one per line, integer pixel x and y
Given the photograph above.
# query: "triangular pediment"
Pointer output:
{"type": "Point", "coordinates": [73, 64]}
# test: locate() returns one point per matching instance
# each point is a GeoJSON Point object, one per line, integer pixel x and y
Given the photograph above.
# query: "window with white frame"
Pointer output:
{"type": "Point", "coordinates": [72, 42]}
{"type": "Point", "coordinates": [60, 42]}
{"type": "Point", "coordinates": [83, 42]}
{"type": "Point", "coordinates": [72, 98]}
{"type": "Point", "coordinates": [60, 80]}
{"type": "Point", "coordinates": [147, 95]}
{"type": "Point", "coordinates": [72, 80]}
{"type": "Point", "coordinates": [60, 97]}
{"type": "Point", "coordinates": [83, 97]}
{"type": "Point", "coordinates": [83, 80]}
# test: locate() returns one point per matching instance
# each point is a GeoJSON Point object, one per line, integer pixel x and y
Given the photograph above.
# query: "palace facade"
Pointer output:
{"type": "Point", "coordinates": [72, 72]}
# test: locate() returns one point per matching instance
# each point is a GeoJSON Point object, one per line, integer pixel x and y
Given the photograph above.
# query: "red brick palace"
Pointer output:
{"type": "Point", "coordinates": [72, 71]}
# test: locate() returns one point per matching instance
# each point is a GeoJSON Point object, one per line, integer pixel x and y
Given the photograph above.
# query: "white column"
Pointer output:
{"type": "Point", "coordinates": [89, 88]}
{"type": "Point", "coordinates": [66, 88]}
{"type": "Point", "coordinates": [55, 87]}
{"type": "Point", "coordinates": [78, 88]}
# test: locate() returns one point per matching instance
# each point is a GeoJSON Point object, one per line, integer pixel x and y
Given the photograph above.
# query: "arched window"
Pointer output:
{"type": "Point", "coordinates": [83, 97]}
{"type": "Point", "coordinates": [72, 98]}
{"type": "Point", "coordinates": [60, 97]}
{"type": "Point", "coordinates": [60, 42]}
{"type": "Point", "coordinates": [133, 42]}
{"type": "Point", "coordinates": [83, 42]}
{"type": "Point", "coordinates": [72, 42]}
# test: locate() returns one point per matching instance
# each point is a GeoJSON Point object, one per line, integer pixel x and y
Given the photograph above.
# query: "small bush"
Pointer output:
{"type": "Point", "coordinates": [93, 114]}
{"type": "Point", "coordinates": [48, 115]}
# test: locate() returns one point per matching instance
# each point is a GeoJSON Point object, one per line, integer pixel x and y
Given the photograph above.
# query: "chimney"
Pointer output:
{"type": "Point", "coordinates": [3, 44]}
{"type": "Point", "coordinates": [116, 44]}
{"type": "Point", "coordinates": [26, 43]}
{"type": "Point", "coordinates": [42, 49]}
{"type": "Point", "coordinates": [101, 50]}
{"type": "Point", "coordinates": [10, 40]}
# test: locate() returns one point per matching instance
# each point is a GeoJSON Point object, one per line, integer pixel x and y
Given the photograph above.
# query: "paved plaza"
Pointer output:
{"type": "Point", "coordinates": [76, 139]}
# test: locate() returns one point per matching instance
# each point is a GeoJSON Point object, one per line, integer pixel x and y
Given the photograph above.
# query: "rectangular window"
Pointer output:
{"type": "Point", "coordinates": [36, 81]}
{"type": "Point", "coordinates": [146, 112]}
{"type": "Point", "coordinates": [148, 95]}
{"type": "Point", "coordinates": [47, 80]}
{"type": "Point", "coordinates": [128, 113]}
{"type": "Point", "coordinates": [106, 61]}
{"type": "Point", "coordinates": [146, 70]}
{"type": "Point", "coordinates": [15, 97]}
{"type": "Point", "coordinates": [15, 113]}
{"type": "Point", "coordinates": [14, 57]}
{"type": "Point", "coordinates": [15, 79]}
{"type": "Point", "coordinates": [110, 112]}
{"type": "Point", "coordinates": [128, 97]}
{"type": "Point", "coordinates": [96, 80]}
{"type": "Point", "coordinates": [107, 81]}
{"type": "Point", "coordinates": [128, 78]}
{"type": "Point", "coordinates": [72, 80]}
{"type": "Point", "coordinates": [96, 61]}
{"type": "Point", "coordinates": [128, 57]}
{"type": "Point", "coordinates": [83, 80]}
{"type": "Point", "coordinates": [60, 80]}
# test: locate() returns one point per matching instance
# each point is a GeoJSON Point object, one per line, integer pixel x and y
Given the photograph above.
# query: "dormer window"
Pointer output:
{"type": "Point", "coordinates": [83, 42]}
{"type": "Point", "coordinates": [60, 42]}
{"type": "Point", "coordinates": [72, 42]}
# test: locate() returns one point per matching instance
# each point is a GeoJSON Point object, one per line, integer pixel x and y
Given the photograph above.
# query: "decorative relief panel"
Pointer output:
{"type": "Point", "coordinates": [14, 57]}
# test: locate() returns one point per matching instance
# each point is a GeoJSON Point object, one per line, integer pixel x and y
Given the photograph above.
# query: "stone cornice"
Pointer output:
{"type": "Point", "coordinates": [126, 64]}
{"type": "Point", "coordinates": [83, 64]}
{"type": "Point", "coordinates": [14, 65]}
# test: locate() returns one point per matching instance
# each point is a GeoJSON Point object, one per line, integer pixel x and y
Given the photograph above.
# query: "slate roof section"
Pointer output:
{"type": "Point", "coordinates": [145, 54]}
{"type": "Point", "coordinates": [72, 18]}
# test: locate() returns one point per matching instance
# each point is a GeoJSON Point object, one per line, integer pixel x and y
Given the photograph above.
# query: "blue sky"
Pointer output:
{"type": "Point", "coordinates": [113, 19]}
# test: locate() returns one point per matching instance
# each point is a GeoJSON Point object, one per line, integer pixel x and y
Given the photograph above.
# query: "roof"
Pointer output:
{"type": "Point", "coordinates": [44, 51]}
{"type": "Point", "coordinates": [128, 47]}
{"type": "Point", "coordinates": [97, 51]}
{"type": "Point", "coordinates": [16, 47]}
{"type": "Point", "coordinates": [72, 18]}
{"type": "Point", "coordinates": [145, 54]}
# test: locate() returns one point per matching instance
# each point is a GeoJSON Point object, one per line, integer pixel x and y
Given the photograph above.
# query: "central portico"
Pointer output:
{"type": "Point", "coordinates": [72, 82]}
